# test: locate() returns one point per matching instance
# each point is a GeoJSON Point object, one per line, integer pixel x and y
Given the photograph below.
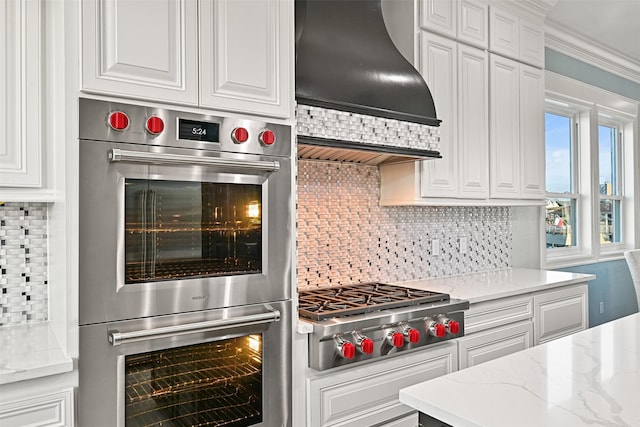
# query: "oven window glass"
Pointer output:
{"type": "Point", "coordinates": [212, 384]}
{"type": "Point", "coordinates": [176, 229]}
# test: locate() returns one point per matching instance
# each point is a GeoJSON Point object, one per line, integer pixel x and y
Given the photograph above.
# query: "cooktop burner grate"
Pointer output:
{"type": "Point", "coordinates": [325, 303]}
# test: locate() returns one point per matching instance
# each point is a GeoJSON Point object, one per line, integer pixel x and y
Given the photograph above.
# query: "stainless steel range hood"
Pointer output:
{"type": "Point", "coordinates": [355, 91]}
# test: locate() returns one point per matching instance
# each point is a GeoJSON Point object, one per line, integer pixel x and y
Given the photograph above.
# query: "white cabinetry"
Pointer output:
{"type": "Point", "coordinates": [496, 328]}
{"type": "Point", "coordinates": [516, 130]}
{"type": "Point", "coordinates": [517, 37]}
{"type": "Point", "coordinates": [464, 20]}
{"type": "Point", "coordinates": [233, 55]}
{"type": "Point", "coordinates": [559, 313]}
{"type": "Point", "coordinates": [367, 395]}
{"type": "Point", "coordinates": [21, 110]}
{"type": "Point", "coordinates": [52, 410]}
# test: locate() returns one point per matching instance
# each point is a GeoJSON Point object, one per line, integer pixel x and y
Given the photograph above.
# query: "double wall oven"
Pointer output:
{"type": "Point", "coordinates": [185, 269]}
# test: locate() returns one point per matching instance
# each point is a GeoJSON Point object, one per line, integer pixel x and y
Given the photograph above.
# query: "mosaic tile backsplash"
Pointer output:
{"type": "Point", "coordinates": [23, 263]}
{"type": "Point", "coordinates": [344, 236]}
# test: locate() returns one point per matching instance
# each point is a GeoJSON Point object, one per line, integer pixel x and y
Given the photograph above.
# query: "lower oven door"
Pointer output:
{"type": "Point", "coordinates": [229, 367]}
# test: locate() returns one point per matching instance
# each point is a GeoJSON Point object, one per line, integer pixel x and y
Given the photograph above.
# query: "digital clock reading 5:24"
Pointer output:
{"type": "Point", "coordinates": [198, 131]}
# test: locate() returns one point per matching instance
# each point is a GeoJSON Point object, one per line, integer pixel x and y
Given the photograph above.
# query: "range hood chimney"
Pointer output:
{"type": "Point", "coordinates": [355, 91]}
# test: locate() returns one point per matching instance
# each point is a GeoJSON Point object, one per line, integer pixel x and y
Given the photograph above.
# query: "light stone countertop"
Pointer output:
{"type": "Point", "coordinates": [591, 378]}
{"type": "Point", "coordinates": [478, 287]}
{"type": "Point", "coordinates": [30, 351]}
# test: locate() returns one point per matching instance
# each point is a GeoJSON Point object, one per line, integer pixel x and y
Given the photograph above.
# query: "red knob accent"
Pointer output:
{"type": "Point", "coordinates": [240, 135]}
{"type": "Point", "coordinates": [413, 335]}
{"type": "Point", "coordinates": [454, 327]}
{"type": "Point", "coordinates": [154, 125]}
{"type": "Point", "coordinates": [348, 350]}
{"type": "Point", "coordinates": [366, 345]}
{"type": "Point", "coordinates": [440, 330]}
{"type": "Point", "coordinates": [267, 137]}
{"type": "Point", "coordinates": [118, 120]}
{"type": "Point", "coordinates": [397, 339]}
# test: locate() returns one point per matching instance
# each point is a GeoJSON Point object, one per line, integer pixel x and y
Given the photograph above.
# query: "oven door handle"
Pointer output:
{"type": "Point", "coordinates": [118, 155]}
{"type": "Point", "coordinates": [117, 337]}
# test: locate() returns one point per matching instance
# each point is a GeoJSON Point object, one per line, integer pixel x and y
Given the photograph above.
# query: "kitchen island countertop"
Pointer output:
{"type": "Point", "coordinates": [478, 287]}
{"type": "Point", "coordinates": [591, 378]}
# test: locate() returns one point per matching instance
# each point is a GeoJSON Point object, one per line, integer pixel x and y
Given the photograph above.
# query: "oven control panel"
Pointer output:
{"type": "Point", "coordinates": [136, 124]}
{"type": "Point", "coordinates": [384, 340]}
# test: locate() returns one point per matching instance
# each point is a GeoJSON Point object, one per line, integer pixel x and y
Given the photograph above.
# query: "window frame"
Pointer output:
{"type": "Point", "coordinates": [594, 106]}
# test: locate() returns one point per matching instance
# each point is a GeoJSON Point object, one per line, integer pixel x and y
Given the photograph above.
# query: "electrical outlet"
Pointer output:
{"type": "Point", "coordinates": [601, 307]}
{"type": "Point", "coordinates": [464, 245]}
{"type": "Point", "coordinates": [435, 247]}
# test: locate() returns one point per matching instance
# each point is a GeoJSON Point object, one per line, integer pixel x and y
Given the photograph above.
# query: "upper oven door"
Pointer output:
{"type": "Point", "coordinates": [167, 230]}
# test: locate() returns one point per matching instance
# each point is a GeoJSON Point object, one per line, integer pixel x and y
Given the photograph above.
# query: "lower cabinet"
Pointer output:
{"type": "Point", "coordinates": [52, 410]}
{"type": "Point", "coordinates": [488, 345]}
{"type": "Point", "coordinates": [559, 313]}
{"type": "Point", "coordinates": [367, 395]}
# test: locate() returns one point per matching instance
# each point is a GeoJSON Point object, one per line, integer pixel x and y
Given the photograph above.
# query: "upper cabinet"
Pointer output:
{"type": "Point", "coordinates": [232, 55]}
{"type": "Point", "coordinates": [464, 20]}
{"type": "Point", "coordinates": [517, 36]}
{"type": "Point", "coordinates": [21, 111]}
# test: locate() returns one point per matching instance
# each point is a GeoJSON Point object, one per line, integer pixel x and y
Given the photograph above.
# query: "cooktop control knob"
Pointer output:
{"type": "Point", "coordinates": [364, 344]}
{"type": "Point", "coordinates": [396, 339]}
{"type": "Point", "coordinates": [436, 329]}
{"type": "Point", "coordinates": [412, 335]}
{"type": "Point", "coordinates": [347, 349]}
{"type": "Point", "coordinates": [118, 120]}
{"type": "Point", "coordinates": [452, 326]}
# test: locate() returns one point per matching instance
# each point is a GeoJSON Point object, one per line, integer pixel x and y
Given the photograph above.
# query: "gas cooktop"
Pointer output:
{"type": "Point", "coordinates": [326, 303]}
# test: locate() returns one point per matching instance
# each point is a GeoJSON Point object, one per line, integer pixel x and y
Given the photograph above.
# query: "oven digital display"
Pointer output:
{"type": "Point", "coordinates": [198, 131]}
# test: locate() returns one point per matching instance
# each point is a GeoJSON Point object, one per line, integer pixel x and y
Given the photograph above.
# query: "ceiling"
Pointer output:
{"type": "Point", "coordinates": [612, 24]}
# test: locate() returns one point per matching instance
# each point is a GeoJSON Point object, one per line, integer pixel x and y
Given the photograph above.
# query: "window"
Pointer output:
{"type": "Point", "coordinates": [589, 214]}
{"type": "Point", "coordinates": [562, 197]}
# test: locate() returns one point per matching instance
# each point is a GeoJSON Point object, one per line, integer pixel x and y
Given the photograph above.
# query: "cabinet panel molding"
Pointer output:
{"type": "Point", "coordinates": [53, 410]}
{"type": "Point", "coordinates": [478, 348]}
{"type": "Point", "coordinates": [473, 23]}
{"type": "Point", "coordinates": [560, 313]}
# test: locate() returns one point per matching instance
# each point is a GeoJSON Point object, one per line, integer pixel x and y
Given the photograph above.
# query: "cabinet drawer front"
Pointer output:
{"type": "Point", "coordinates": [560, 313]}
{"type": "Point", "coordinates": [485, 346]}
{"type": "Point", "coordinates": [486, 315]}
{"type": "Point", "coordinates": [368, 394]}
{"type": "Point", "coordinates": [54, 410]}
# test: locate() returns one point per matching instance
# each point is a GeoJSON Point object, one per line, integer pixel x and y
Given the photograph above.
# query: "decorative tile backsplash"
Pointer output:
{"type": "Point", "coordinates": [23, 263]}
{"type": "Point", "coordinates": [344, 236]}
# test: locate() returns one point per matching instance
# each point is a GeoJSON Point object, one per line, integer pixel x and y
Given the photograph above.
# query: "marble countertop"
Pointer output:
{"type": "Point", "coordinates": [30, 351]}
{"type": "Point", "coordinates": [478, 287]}
{"type": "Point", "coordinates": [591, 378]}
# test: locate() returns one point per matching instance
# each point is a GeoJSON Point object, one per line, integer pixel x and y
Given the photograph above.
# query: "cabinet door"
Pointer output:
{"type": "Point", "coordinates": [504, 32]}
{"type": "Point", "coordinates": [532, 146]}
{"type": "Point", "coordinates": [482, 347]}
{"type": "Point", "coordinates": [438, 66]}
{"type": "Point", "coordinates": [141, 49]}
{"type": "Point", "coordinates": [439, 16]}
{"type": "Point", "coordinates": [473, 23]}
{"type": "Point", "coordinates": [20, 86]}
{"type": "Point", "coordinates": [532, 42]}
{"type": "Point", "coordinates": [362, 396]}
{"type": "Point", "coordinates": [473, 125]}
{"type": "Point", "coordinates": [246, 56]}
{"type": "Point", "coordinates": [54, 410]}
{"type": "Point", "coordinates": [559, 313]}
{"type": "Point", "coordinates": [504, 128]}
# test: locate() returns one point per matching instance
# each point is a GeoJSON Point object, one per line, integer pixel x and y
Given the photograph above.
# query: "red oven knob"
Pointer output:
{"type": "Point", "coordinates": [396, 339]}
{"type": "Point", "coordinates": [347, 350]}
{"type": "Point", "coordinates": [454, 327]}
{"type": "Point", "coordinates": [240, 135]}
{"type": "Point", "coordinates": [118, 120]}
{"type": "Point", "coordinates": [366, 345]}
{"type": "Point", "coordinates": [412, 335]}
{"type": "Point", "coordinates": [436, 329]}
{"type": "Point", "coordinates": [154, 125]}
{"type": "Point", "coordinates": [267, 137]}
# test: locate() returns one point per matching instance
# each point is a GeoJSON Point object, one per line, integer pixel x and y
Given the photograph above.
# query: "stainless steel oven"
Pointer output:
{"type": "Point", "coordinates": [190, 215]}
{"type": "Point", "coordinates": [225, 367]}
{"type": "Point", "coordinates": [186, 241]}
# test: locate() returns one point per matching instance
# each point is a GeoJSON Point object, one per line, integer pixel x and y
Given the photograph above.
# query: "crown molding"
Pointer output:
{"type": "Point", "coordinates": [586, 50]}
